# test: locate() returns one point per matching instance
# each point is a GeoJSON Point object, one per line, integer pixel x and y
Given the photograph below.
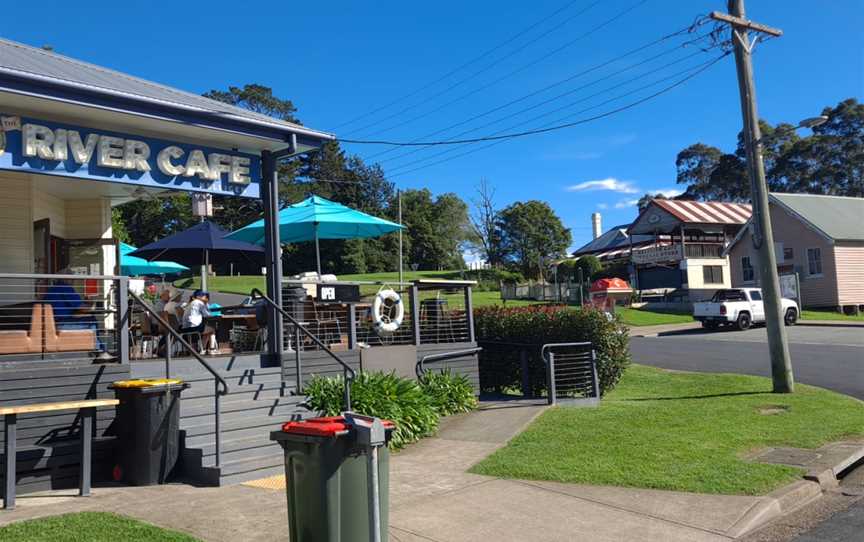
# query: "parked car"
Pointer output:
{"type": "Point", "coordinates": [741, 307]}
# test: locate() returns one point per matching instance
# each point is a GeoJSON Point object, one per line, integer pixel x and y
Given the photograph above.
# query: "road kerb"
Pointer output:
{"type": "Point", "coordinates": [776, 504]}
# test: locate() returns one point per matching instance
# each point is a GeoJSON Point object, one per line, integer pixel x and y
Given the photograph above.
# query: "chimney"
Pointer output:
{"type": "Point", "coordinates": [596, 225]}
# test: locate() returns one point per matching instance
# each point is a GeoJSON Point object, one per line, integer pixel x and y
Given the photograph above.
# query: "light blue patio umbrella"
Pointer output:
{"type": "Point", "coordinates": [134, 266]}
{"type": "Point", "coordinates": [317, 218]}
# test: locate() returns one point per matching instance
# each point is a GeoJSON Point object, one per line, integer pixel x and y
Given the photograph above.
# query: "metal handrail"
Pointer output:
{"type": "Point", "coordinates": [549, 361]}
{"type": "Point", "coordinates": [218, 380]}
{"type": "Point", "coordinates": [349, 373]}
{"type": "Point", "coordinates": [420, 370]}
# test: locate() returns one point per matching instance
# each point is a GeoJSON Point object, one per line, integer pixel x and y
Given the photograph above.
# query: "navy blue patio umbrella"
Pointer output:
{"type": "Point", "coordinates": [199, 245]}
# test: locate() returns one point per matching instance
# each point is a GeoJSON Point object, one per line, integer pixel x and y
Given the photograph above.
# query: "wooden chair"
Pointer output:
{"type": "Point", "coordinates": [66, 340]}
{"type": "Point", "coordinates": [20, 341]}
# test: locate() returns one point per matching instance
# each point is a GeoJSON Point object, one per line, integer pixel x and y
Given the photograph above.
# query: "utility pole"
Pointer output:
{"type": "Point", "coordinates": [762, 234]}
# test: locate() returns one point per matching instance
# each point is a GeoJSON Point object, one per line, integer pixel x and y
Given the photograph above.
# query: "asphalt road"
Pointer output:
{"type": "Point", "coordinates": [829, 357]}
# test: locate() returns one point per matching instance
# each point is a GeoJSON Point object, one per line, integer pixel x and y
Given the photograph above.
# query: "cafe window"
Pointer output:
{"type": "Point", "coordinates": [814, 261]}
{"type": "Point", "coordinates": [712, 274]}
{"type": "Point", "coordinates": [788, 254]}
{"type": "Point", "coordinates": [747, 272]}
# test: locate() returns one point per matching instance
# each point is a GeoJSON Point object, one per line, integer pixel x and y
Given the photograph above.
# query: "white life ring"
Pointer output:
{"type": "Point", "coordinates": [383, 322]}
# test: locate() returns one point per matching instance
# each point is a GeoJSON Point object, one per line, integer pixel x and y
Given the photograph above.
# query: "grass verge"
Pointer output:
{"type": "Point", "coordinates": [678, 431]}
{"type": "Point", "coordinates": [830, 315]}
{"type": "Point", "coordinates": [90, 526]}
{"type": "Point", "coordinates": [641, 317]}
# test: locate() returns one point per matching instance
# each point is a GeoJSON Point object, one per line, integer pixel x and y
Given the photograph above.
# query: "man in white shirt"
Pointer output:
{"type": "Point", "coordinates": [193, 318]}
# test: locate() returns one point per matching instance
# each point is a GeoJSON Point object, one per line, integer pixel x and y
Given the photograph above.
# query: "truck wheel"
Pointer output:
{"type": "Point", "coordinates": [790, 317]}
{"type": "Point", "coordinates": [743, 321]}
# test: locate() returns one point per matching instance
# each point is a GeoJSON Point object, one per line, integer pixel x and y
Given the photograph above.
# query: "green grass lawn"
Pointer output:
{"type": "Point", "coordinates": [677, 431]}
{"type": "Point", "coordinates": [830, 315]}
{"type": "Point", "coordinates": [640, 317]}
{"type": "Point", "coordinates": [89, 526]}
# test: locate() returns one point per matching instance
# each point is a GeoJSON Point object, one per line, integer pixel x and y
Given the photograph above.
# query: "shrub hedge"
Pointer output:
{"type": "Point", "coordinates": [536, 325]}
{"type": "Point", "coordinates": [413, 406]}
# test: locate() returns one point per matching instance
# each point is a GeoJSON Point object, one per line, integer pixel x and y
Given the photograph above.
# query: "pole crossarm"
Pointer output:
{"type": "Point", "coordinates": [740, 22]}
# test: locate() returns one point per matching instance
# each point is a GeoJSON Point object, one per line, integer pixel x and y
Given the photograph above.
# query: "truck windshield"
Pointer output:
{"type": "Point", "coordinates": [729, 295]}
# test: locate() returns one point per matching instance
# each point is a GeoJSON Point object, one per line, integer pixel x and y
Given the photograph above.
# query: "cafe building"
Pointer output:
{"type": "Point", "coordinates": [76, 141]}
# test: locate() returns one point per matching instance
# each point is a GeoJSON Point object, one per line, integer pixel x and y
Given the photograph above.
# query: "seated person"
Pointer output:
{"type": "Point", "coordinates": [193, 318]}
{"type": "Point", "coordinates": [70, 312]}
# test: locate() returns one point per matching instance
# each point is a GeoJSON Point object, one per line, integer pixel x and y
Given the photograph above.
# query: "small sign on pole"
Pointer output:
{"type": "Point", "coordinates": [202, 204]}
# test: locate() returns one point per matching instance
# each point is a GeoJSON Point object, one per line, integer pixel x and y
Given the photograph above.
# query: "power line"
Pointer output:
{"type": "Point", "coordinates": [470, 62]}
{"type": "Point", "coordinates": [529, 132]}
{"type": "Point", "coordinates": [567, 80]}
{"type": "Point", "coordinates": [562, 95]}
{"type": "Point", "coordinates": [501, 139]}
{"type": "Point", "coordinates": [522, 68]}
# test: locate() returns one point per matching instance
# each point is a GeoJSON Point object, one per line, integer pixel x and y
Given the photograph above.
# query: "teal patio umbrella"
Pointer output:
{"type": "Point", "coordinates": [317, 218]}
{"type": "Point", "coordinates": [133, 266]}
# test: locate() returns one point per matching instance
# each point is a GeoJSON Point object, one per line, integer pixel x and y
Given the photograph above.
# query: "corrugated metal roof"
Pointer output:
{"type": "Point", "coordinates": [840, 218]}
{"type": "Point", "coordinates": [706, 212]}
{"type": "Point", "coordinates": [25, 61]}
{"type": "Point", "coordinates": [615, 237]}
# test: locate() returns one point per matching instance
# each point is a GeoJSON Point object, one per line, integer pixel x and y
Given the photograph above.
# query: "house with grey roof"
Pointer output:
{"type": "Point", "coordinates": [821, 238]}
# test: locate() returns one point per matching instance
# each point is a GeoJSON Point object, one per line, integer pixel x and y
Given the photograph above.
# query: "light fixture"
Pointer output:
{"type": "Point", "coordinates": [813, 122]}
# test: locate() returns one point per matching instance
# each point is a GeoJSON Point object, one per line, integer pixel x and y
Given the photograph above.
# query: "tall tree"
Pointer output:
{"type": "Point", "coordinates": [484, 222]}
{"type": "Point", "coordinates": [436, 228]}
{"type": "Point", "coordinates": [531, 235]}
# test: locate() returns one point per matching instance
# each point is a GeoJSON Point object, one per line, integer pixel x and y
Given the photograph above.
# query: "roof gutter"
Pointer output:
{"type": "Point", "coordinates": [44, 83]}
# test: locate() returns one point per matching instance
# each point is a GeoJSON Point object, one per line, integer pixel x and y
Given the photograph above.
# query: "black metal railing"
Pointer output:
{"type": "Point", "coordinates": [299, 330]}
{"type": "Point", "coordinates": [220, 385]}
{"type": "Point", "coordinates": [420, 367]}
{"type": "Point", "coordinates": [571, 372]}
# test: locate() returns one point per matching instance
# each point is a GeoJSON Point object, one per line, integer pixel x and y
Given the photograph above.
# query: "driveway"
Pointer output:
{"type": "Point", "coordinates": [829, 357]}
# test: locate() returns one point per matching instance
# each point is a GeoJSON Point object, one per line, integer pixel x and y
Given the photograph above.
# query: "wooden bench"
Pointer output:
{"type": "Point", "coordinates": [88, 413]}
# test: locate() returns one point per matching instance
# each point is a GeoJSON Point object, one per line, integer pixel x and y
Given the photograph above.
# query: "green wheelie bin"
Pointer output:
{"type": "Point", "coordinates": [329, 479]}
{"type": "Point", "coordinates": [147, 427]}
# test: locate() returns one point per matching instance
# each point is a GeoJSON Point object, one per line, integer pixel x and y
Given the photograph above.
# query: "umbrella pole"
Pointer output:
{"type": "Point", "coordinates": [317, 251]}
{"type": "Point", "coordinates": [204, 271]}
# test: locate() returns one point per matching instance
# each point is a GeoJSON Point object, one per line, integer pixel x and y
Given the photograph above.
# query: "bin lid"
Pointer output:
{"type": "Point", "coordinates": [146, 382]}
{"type": "Point", "coordinates": [325, 426]}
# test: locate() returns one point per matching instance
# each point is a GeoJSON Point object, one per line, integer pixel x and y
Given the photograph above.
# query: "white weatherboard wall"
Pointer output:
{"type": "Point", "coordinates": [22, 203]}
{"type": "Point", "coordinates": [16, 224]}
{"type": "Point", "coordinates": [695, 278]}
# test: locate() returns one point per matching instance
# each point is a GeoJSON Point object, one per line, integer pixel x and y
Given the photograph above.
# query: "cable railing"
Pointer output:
{"type": "Point", "coordinates": [420, 367]}
{"type": "Point", "coordinates": [220, 385]}
{"type": "Point", "coordinates": [300, 330]}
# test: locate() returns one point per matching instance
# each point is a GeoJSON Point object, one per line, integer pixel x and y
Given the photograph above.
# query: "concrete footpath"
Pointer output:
{"type": "Point", "coordinates": [433, 498]}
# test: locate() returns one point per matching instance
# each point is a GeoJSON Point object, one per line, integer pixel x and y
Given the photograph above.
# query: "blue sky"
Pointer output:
{"type": "Point", "coordinates": [340, 60]}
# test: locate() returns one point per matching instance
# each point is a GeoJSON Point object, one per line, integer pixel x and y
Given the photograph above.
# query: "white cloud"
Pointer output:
{"type": "Point", "coordinates": [611, 183]}
{"type": "Point", "coordinates": [668, 192]}
{"type": "Point", "coordinates": [625, 203]}
{"type": "Point", "coordinates": [602, 206]}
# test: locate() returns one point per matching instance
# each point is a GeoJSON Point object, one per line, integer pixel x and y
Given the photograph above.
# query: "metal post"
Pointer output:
{"type": "Point", "coordinates": [352, 326]}
{"type": "Point", "coordinates": [550, 377]}
{"type": "Point", "coordinates": [317, 251]}
{"type": "Point", "coordinates": [469, 313]}
{"type": "Point", "coordinates": [123, 311]}
{"type": "Point", "coordinates": [347, 391]}
{"type": "Point", "coordinates": [414, 294]}
{"type": "Point", "coordinates": [272, 252]}
{"type": "Point", "coordinates": [86, 447]}
{"type": "Point", "coordinates": [204, 270]}
{"type": "Point", "coordinates": [9, 424]}
{"type": "Point", "coordinates": [298, 366]}
{"type": "Point", "coordinates": [763, 235]}
{"type": "Point", "coordinates": [399, 197]}
{"type": "Point", "coordinates": [169, 347]}
{"type": "Point", "coordinates": [374, 495]}
{"type": "Point", "coordinates": [217, 411]}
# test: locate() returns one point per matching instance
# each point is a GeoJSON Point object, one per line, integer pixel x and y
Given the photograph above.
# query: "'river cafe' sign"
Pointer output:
{"type": "Point", "coordinates": [35, 146]}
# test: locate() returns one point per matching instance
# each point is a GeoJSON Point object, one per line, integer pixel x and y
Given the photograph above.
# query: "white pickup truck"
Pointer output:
{"type": "Point", "coordinates": [741, 307]}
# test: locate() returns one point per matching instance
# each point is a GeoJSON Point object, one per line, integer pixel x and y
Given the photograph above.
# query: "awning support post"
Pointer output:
{"type": "Point", "coordinates": [272, 254]}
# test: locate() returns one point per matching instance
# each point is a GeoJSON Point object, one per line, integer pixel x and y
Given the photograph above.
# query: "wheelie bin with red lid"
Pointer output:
{"type": "Point", "coordinates": [337, 481]}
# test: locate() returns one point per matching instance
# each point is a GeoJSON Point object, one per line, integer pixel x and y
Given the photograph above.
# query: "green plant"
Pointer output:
{"type": "Point", "coordinates": [383, 395]}
{"type": "Point", "coordinates": [499, 329]}
{"type": "Point", "coordinates": [450, 393]}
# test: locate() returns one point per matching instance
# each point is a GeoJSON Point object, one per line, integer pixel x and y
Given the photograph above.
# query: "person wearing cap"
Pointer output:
{"type": "Point", "coordinates": [193, 317]}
